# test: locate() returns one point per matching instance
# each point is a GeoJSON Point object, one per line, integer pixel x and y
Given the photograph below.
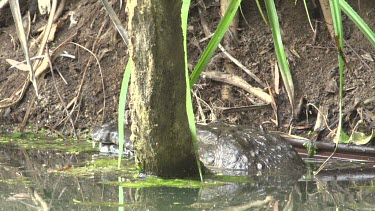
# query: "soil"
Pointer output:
{"type": "Point", "coordinates": [77, 83]}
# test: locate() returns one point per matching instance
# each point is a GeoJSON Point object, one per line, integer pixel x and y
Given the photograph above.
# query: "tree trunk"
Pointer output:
{"type": "Point", "coordinates": [161, 134]}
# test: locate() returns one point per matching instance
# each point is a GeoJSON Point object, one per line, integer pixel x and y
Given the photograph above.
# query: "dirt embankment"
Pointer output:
{"type": "Point", "coordinates": [77, 83]}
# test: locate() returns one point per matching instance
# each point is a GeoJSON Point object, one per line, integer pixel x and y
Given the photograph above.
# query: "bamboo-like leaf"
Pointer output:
{"type": "Point", "coordinates": [215, 40]}
{"type": "Point", "coordinates": [361, 24]}
{"type": "Point", "coordinates": [280, 52]}
{"type": "Point", "coordinates": [189, 103]}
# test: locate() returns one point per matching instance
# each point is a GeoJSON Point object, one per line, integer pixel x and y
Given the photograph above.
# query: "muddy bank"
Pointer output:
{"type": "Point", "coordinates": [79, 81]}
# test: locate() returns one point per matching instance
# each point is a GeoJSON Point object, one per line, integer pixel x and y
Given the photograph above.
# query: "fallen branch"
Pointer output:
{"type": "Point", "coordinates": [299, 142]}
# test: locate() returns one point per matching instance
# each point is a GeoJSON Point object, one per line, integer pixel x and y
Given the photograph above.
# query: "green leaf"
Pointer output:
{"type": "Point", "coordinates": [359, 22]}
{"type": "Point", "coordinates": [189, 102]}
{"type": "Point", "coordinates": [337, 23]}
{"type": "Point", "coordinates": [261, 12]}
{"type": "Point", "coordinates": [341, 137]}
{"type": "Point", "coordinates": [125, 80]}
{"type": "Point", "coordinates": [121, 108]}
{"type": "Point", "coordinates": [17, 135]}
{"type": "Point", "coordinates": [360, 138]}
{"type": "Point", "coordinates": [215, 40]}
{"type": "Point", "coordinates": [280, 52]}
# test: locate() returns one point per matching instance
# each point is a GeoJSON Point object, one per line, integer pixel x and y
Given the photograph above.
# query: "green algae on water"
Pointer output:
{"type": "Point", "coordinates": [100, 165]}
{"type": "Point", "coordinates": [35, 141]}
{"type": "Point", "coordinates": [18, 180]}
{"type": "Point", "coordinates": [152, 181]}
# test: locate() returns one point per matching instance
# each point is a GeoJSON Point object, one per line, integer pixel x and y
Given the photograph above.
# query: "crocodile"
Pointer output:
{"type": "Point", "coordinates": [224, 148]}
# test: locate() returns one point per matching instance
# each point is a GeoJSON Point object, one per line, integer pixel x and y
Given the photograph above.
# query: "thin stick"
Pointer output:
{"type": "Point", "coordinates": [324, 117]}
{"type": "Point", "coordinates": [58, 93]}
{"type": "Point", "coordinates": [240, 65]}
{"type": "Point", "coordinates": [359, 57]}
{"type": "Point", "coordinates": [84, 75]}
{"type": "Point", "coordinates": [116, 22]}
{"type": "Point", "coordinates": [325, 162]}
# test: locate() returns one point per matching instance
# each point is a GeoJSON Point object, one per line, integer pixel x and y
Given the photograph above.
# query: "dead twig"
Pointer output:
{"type": "Point", "coordinates": [242, 108]}
{"type": "Point", "coordinates": [274, 106]}
{"type": "Point", "coordinates": [53, 16]}
{"type": "Point", "coordinates": [315, 32]}
{"type": "Point", "coordinates": [58, 93]}
{"type": "Point", "coordinates": [200, 110]}
{"type": "Point", "coordinates": [16, 13]}
{"type": "Point", "coordinates": [240, 65]}
{"type": "Point", "coordinates": [17, 96]}
{"type": "Point", "coordinates": [84, 77]}
{"type": "Point", "coordinates": [47, 31]}
{"type": "Point", "coordinates": [359, 57]}
{"type": "Point", "coordinates": [30, 106]}
{"type": "Point", "coordinates": [238, 82]}
{"type": "Point", "coordinates": [38, 66]}
{"type": "Point", "coordinates": [234, 60]}
{"type": "Point", "coordinates": [116, 21]}
{"type": "Point", "coordinates": [322, 114]}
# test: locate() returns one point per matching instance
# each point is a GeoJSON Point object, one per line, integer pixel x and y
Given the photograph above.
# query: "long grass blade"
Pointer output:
{"type": "Point", "coordinates": [121, 196]}
{"type": "Point", "coordinates": [189, 103]}
{"type": "Point", "coordinates": [261, 12]}
{"type": "Point", "coordinates": [16, 13]}
{"type": "Point", "coordinates": [121, 109]}
{"type": "Point", "coordinates": [337, 23]}
{"type": "Point", "coordinates": [280, 52]}
{"type": "Point", "coordinates": [125, 80]}
{"type": "Point", "coordinates": [215, 40]}
{"type": "Point", "coordinates": [361, 24]}
{"type": "Point", "coordinates": [308, 15]}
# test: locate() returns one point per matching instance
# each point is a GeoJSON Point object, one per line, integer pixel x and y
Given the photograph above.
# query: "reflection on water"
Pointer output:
{"type": "Point", "coordinates": [32, 179]}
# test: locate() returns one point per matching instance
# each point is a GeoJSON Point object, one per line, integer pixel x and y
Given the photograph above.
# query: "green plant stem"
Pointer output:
{"type": "Point", "coordinates": [337, 23]}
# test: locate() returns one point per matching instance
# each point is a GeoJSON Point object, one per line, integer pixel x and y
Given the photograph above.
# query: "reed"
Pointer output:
{"type": "Point", "coordinates": [336, 7]}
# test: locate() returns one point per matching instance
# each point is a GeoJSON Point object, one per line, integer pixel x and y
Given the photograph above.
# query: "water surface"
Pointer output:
{"type": "Point", "coordinates": [42, 175]}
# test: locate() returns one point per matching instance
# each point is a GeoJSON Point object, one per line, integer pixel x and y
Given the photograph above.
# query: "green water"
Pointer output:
{"type": "Point", "coordinates": [36, 177]}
